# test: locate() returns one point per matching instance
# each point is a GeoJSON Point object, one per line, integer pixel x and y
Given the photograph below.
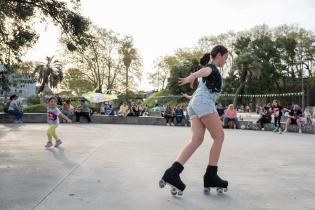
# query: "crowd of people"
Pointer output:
{"type": "Point", "coordinates": [269, 113]}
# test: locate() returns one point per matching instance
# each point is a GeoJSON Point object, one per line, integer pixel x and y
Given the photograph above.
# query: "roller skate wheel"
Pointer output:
{"type": "Point", "coordinates": [219, 190]}
{"type": "Point", "coordinates": [225, 189]}
{"type": "Point", "coordinates": [162, 183]}
{"type": "Point", "coordinates": [174, 191]}
{"type": "Point", "coordinates": [206, 190]}
{"type": "Point", "coordinates": [180, 193]}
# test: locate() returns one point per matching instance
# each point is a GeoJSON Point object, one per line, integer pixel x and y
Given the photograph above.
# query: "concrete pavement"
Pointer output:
{"type": "Point", "coordinates": [119, 166]}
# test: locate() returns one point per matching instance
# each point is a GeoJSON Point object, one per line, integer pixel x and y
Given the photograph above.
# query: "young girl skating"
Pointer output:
{"type": "Point", "coordinates": [53, 114]}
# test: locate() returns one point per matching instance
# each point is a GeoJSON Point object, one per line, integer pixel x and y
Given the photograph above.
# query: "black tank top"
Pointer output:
{"type": "Point", "coordinates": [214, 80]}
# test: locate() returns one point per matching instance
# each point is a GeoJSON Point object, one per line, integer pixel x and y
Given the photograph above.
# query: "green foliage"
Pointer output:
{"type": "Point", "coordinates": [164, 97]}
{"type": "Point", "coordinates": [179, 71]}
{"type": "Point", "coordinates": [128, 97]}
{"type": "Point", "coordinates": [17, 33]}
{"type": "Point", "coordinates": [153, 99]}
{"type": "Point", "coordinates": [38, 108]}
{"type": "Point", "coordinates": [261, 61]}
{"type": "Point", "coordinates": [75, 80]}
{"type": "Point", "coordinates": [32, 100]}
{"type": "Point", "coordinates": [49, 73]}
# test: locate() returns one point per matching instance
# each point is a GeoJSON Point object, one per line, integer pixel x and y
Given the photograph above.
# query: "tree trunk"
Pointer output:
{"type": "Point", "coordinates": [236, 93]}
{"type": "Point", "coordinates": [127, 79]}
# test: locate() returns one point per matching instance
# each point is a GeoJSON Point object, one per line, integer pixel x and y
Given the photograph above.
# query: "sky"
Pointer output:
{"type": "Point", "coordinates": [161, 27]}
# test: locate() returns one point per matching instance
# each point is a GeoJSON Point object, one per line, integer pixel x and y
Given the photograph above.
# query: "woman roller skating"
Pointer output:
{"type": "Point", "coordinates": [203, 115]}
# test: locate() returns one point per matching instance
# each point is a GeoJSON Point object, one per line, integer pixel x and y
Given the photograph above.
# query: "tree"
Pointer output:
{"type": "Point", "coordinates": [206, 43]}
{"type": "Point", "coordinates": [181, 64]}
{"type": "Point", "coordinates": [162, 71]}
{"type": "Point", "coordinates": [245, 68]}
{"type": "Point", "coordinates": [75, 81]}
{"type": "Point", "coordinates": [49, 73]}
{"type": "Point", "coordinates": [17, 17]}
{"type": "Point", "coordinates": [131, 60]}
{"type": "Point", "coordinates": [99, 62]}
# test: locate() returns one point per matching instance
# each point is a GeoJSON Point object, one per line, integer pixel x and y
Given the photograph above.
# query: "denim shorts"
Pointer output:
{"type": "Point", "coordinates": [202, 103]}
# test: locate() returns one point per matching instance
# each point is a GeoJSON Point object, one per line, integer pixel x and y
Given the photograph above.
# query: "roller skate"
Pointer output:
{"type": "Point", "coordinates": [212, 180]}
{"type": "Point", "coordinates": [171, 178]}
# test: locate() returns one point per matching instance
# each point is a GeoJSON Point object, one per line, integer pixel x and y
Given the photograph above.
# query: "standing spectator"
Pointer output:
{"type": "Point", "coordinates": [123, 110]}
{"type": "Point", "coordinates": [83, 110]}
{"type": "Point", "coordinates": [265, 117]}
{"type": "Point", "coordinates": [231, 115]}
{"type": "Point", "coordinates": [169, 115]}
{"type": "Point", "coordinates": [277, 113]}
{"type": "Point", "coordinates": [15, 109]}
{"type": "Point", "coordinates": [179, 113]}
{"type": "Point", "coordinates": [294, 118]}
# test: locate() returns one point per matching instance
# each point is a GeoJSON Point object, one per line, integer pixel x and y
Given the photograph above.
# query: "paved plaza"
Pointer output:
{"type": "Point", "coordinates": [118, 167]}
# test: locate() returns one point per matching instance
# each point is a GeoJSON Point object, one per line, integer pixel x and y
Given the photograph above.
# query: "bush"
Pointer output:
{"type": "Point", "coordinates": [33, 100]}
{"type": "Point", "coordinates": [38, 108]}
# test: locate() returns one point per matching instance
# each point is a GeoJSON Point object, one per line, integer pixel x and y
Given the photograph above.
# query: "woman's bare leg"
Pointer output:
{"type": "Point", "coordinates": [198, 133]}
{"type": "Point", "coordinates": [213, 123]}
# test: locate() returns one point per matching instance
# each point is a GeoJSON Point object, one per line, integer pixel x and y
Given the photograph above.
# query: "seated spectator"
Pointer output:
{"type": "Point", "coordinates": [265, 117]}
{"type": "Point", "coordinates": [2, 104]}
{"type": "Point", "coordinates": [134, 110]}
{"type": "Point", "coordinates": [162, 110]}
{"type": "Point", "coordinates": [231, 115]}
{"type": "Point", "coordinates": [156, 108]}
{"type": "Point", "coordinates": [247, 108]}
{"type": "Point", "coordinates": [169, 115]}
{"type": "Point", "coordinates": [179, 114]}
{"type": "Point", "coordinates": [102, 111]}
{"type": "Point", "coordinates": [67, 110]}
{"type": "Point", "coordinates": [108, 110]}
{"type": "Point", "coordinates": [307, 119]}
{"type": "Point", "coordinates": [15, 108]}
{"type": "Point", "coordinates": [59, 100]}
{"type": "Point", "coordinates": [294, 118]}
{"type": "Point", "coordinates": [258, 109]}
{"type": "Point", "coordinates": [142, 110]}
{"type": "Point", "coordinates": [220, 110]}
{"type": "Point", "coordinates": [82, 110]}
{"type": "Point", "coordinates": [186, 116]}
{"type": "Point", "coordinates": [123, 110]}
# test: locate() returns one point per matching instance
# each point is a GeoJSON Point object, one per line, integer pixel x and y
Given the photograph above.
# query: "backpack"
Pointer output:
{"type": "Point", "coordinates": [6, 107]}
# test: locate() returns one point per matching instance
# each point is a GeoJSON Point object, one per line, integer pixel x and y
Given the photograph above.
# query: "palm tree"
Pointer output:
{"type": "Point", "coordinates": [49, 73]}
{"type": "Point", "coordinates": [129, 55]}
{"type": "Point", "coordinates": [246, 67]}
